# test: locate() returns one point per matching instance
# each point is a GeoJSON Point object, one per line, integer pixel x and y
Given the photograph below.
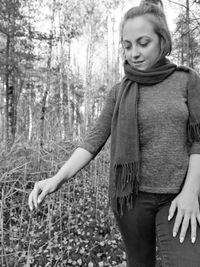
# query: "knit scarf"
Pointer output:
{"type": "Point", "coordinates": [125, 147]}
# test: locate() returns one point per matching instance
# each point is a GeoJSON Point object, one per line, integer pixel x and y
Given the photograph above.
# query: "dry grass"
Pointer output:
{"type": "Point", "coordinates": [71, 228]}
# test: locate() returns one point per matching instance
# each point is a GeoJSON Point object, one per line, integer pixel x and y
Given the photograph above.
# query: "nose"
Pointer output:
{"type": "Point", "coordinates": [135, 53]}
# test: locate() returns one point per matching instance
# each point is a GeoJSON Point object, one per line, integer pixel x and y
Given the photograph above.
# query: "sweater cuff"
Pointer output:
{"type": "Point", "coordinates": [91, 149]}
{"type": "Point", "coordinates": [195, 148]}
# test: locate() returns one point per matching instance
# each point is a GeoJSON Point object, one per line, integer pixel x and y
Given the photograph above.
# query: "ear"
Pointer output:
{"type": "Point", "coordinates": [122, 53]}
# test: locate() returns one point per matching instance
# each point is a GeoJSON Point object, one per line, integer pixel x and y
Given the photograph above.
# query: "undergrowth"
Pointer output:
{"type": "Point", "coordinates": [72, 227]}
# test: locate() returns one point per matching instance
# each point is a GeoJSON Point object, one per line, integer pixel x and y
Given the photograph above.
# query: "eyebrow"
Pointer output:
{"type": "Point", "coordinates": [138, 38]}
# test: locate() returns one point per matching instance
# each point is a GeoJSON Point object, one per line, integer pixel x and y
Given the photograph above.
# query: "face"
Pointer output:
{"type": "Point", "coordinates": [140, 43]}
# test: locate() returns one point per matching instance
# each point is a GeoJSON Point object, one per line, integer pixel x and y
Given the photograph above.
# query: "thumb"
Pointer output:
{"type": "Point", "coordinates": [172, 210]}
{"type": "Point", "coordinates": [42, 196]}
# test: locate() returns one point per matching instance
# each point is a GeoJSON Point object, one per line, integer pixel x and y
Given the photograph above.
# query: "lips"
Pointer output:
{"type": "Point", "coordinates": [138, 62]}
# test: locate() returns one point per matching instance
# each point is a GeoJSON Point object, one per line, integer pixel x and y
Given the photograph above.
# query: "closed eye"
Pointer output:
{"type": "Point", "coordinates": [143, 42]}
{"type": "Point", "coordinates": [126, 45]}
{"type": "Point", "coordinates": [144, 45]}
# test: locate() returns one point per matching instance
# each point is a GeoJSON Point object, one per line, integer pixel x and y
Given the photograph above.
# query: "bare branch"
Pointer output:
{"type": "Point", "coordinates": [176, 3]}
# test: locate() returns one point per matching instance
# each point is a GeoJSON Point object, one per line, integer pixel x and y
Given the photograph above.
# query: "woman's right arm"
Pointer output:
{"type": "Point", "coordinates": [86, 151]}
{"type": "Point", "coordinates": [75, 163]}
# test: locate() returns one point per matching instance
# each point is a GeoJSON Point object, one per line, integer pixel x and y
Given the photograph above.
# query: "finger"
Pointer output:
{"type": "Point", "coordinates": [177, 223]}
{"type": "Point", "coordinates": [30, 203]}
{"type": "Point", "coordinates": [193, 228]}
{"type": "Point", "coordinates": [172, 210]}
{"type": "Point", "coordinates": [35, 194]}
{"type": "Point", "coordinates": [198, 218]}
{"type": "Point", "coordinates": [184, 227]}
{"type": "Point", "coordinates": [42, 196]}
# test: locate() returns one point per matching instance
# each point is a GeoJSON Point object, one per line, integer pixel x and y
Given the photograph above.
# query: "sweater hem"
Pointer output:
{"type": "Point", "coordinates": [159, 190]}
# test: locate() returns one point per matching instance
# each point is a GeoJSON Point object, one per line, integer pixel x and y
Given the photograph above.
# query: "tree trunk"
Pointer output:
{"type": "Point", "coordinates": [2, 113]}
{"type": "Point", "coordinates": [42, 118]}
{"type": "Point", "coordinates": [69, 129]}
{"type": "Point", "coordinates": [10, 73]}
{"type": "Point", "coordinates": [48, 81]}
{"type": "Point", "coordinates": [89, 63]}
{"type": "Point", "coordinates": [113, 49]}
{"type": "Point", "coordinates": [61, 71]}
{"type": "Point", "coordinates": [182, 46]}
{"type": "Point", "coordinates": [188, 41]}
{"type": "Point", "coordinates": [8, 130]}
{"type": "Point", "coordinates": [10, 100]}
{"type": "Point", "coordinates": [30, 112]}
{"type": "Point", "coordinates": [107, 50]}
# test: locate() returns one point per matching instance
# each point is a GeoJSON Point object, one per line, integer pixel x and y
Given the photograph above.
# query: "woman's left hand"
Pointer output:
{"type": "Point", "coordinates": [187, 205]}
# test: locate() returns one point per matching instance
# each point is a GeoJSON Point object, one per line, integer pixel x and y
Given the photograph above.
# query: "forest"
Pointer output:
{"type": "Point", "coordinates": [58, 60]}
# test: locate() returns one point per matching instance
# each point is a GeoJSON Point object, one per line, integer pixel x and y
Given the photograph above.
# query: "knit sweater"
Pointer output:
{"type": "Point", "coordinates": [162, 121]}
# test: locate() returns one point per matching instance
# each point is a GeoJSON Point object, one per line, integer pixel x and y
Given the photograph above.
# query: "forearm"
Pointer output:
{"type": "Point", "coordinates": [93, 142]}
{"type": "Point", "coordinates": [192, 181]}
{"type": "Point", "coordinates": [75, 163]}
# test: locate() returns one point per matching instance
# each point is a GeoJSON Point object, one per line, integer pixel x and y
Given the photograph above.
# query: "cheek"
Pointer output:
{"type": "Point", "coordinates": [127, 54]}
{"type": "Point", "coordinates": [153, 52]}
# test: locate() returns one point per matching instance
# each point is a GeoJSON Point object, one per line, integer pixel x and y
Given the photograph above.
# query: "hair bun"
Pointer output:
{"type": "Point", "coordinates": [158, 3]}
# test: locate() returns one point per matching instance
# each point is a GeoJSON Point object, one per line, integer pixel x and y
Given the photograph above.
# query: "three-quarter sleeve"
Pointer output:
{"type": "Point", "coordinates": [98, 135]}
{"type": "Point", "coordinates": [195, 148]}
{"type": "Point", "coordinates": [194, 108]}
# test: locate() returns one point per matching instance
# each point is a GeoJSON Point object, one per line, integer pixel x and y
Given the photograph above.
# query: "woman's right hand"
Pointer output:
{"type": "Point", "coordinates": [41, 190]}
{"type": "Point", "coordinates": [75, 163]}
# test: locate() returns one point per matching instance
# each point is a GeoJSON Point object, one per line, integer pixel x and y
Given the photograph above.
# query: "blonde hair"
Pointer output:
{"type": "Point", "coordinates": [159, 3]}
{"type": "Point", "coordinates": [156, 16]}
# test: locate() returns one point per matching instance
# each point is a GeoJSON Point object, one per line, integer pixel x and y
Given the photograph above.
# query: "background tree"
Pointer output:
{"type": "Point", "coordinates": [186, 36]}
{"type": "Point", "coordinates": [13, 26]}
{"type": "Point", "coordinates": [58, 60]}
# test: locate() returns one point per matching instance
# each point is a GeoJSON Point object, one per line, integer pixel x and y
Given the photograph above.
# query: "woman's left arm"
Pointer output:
{"type": "Point", "coordinates": [187, 201]}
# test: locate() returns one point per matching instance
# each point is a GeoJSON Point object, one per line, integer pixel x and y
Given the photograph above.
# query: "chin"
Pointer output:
{"type": "Point", "coordinates": [141, 68]}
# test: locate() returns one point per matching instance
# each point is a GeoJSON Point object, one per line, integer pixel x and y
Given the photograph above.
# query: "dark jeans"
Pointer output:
{"type": "Point", "coordinates": [148, 219]}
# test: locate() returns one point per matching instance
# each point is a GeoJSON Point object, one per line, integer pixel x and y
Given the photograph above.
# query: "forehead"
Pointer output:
{"type": "Point", "coordinates": [137, 27]}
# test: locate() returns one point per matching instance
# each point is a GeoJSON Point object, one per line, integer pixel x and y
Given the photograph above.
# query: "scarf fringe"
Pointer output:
{"type": "Point", "coordinates": [194, 133]}
{"type": "Point", "coordinates": [126, 186]}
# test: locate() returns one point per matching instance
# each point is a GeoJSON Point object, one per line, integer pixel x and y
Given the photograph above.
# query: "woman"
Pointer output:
{"type": "Point", "coordinates": [153, 117]}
